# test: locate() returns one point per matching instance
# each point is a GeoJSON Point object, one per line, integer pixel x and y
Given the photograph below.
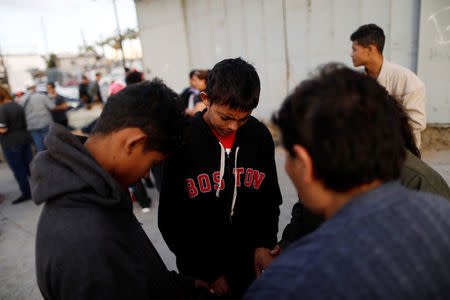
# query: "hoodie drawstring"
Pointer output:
{"type": "Point", "coordinates": [235, 182]}
{"type": "Point", "coordinates": [222, 168]}
{"type": "Point", "coordinates": [222, 171]}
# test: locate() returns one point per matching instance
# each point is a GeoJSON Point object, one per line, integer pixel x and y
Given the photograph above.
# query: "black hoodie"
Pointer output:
{"type": "Point", "coordinates": [89, 244]}
{"type": "Point", "coordinates": [213, 231]}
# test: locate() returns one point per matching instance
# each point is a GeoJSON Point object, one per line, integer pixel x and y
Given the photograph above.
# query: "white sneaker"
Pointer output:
{"type": "Point", "coordinates": [145, 210]}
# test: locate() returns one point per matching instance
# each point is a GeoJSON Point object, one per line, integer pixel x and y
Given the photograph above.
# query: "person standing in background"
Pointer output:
{"type": "Point", "coordinates": [59, 112]}
{"type": "Point", "coordinates": [83, 90]}
{"type": "Point", "coordinates": [37, 109]}
{"type": "Point", "coordinates": [16, 142]}
{"type": "Point", "coordinates": [401, 83]}
{"type": "Point", "coordinates": [195, 103]}
{"type": "Point", "coordinates": [94, 89]}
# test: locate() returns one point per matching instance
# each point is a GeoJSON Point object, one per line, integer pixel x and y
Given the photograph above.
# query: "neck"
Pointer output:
{"type": "Point", "coordinates": [97, 146]}
{"type": "Point", "coordinates": [373, 68]}
{"type": "Point", "coordinates": [337, 200]}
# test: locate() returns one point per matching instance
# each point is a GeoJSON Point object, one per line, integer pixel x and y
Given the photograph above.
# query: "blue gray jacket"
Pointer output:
{"type": "Point", "coordinates": [388, 243]}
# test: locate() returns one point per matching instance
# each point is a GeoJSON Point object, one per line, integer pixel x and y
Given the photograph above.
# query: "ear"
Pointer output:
{"type": "Point", "coordinates": [305, 161]}
{"type": "Point", "coordinates": [134, 140]}
{"type": "Point", "coordinates": [372, 49]}
{"type": "Point", "coordinates": [205, 99]}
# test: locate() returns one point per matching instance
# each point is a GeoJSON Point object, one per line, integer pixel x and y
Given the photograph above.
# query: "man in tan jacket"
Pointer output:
{"type": "Point", "coordinates": [403, 84]}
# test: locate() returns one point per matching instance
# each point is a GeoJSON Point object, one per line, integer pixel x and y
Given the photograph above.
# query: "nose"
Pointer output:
{"type": "Point", "coordinates": [233, 125]}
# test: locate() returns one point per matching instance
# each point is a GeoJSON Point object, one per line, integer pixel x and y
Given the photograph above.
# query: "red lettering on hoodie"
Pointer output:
{"type": "Point", "coordinates": [216, 177]}
{"type": "Point", "coordinates": [248, 177]}
{"type": "Point", "coordinates": [238, 172]}
{"type": "Point", "coordinates": [204, 183]}
{"type": "Point", "coordinates": [258, 177]}
{"type": "Point", "coordinates": [191, 189]}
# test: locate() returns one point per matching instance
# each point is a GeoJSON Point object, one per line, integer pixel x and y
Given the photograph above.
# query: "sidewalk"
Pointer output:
{"type": "Point", "coordinates": [18, 227]}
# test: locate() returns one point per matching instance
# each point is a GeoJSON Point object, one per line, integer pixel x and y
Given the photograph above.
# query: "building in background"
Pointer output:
{"type": "Point", "coordinates": [287, 39]}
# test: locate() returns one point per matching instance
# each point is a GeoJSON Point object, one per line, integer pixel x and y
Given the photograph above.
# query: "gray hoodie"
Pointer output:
{"type": "Point", "coordinates": [89, 244]}
{"type": "Point", "coordinates": [37, 108]}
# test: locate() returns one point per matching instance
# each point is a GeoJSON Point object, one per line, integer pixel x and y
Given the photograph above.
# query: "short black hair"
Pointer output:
{"type": "Point", "coordinates": [191, 73]}
{"type": "Point", "coordinates": [369, 34]}
{"type": "Point", "coordinates": [98, 73]}
{"type": "Point", "coordinates": [150, 106]}
{"type": "Point", "coordinates": [347, 123]}
{"type": "Point", "coordinates": [235, 83]}
{"type": "Point", "coordinates": [52, 84]}
{"type": "Point", "coordinates": [133, 77]}
{"type": "Point", "coordinates": [84, 77]}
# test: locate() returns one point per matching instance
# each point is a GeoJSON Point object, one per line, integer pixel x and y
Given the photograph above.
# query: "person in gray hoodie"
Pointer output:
{"type": "Point", "coordinates": [38, 115]}
{"type": "Point", "coordinates": [89, 244]}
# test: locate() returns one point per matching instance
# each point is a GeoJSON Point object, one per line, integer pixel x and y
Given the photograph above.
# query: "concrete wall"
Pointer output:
{"type": "Point", "coordinates": [434, 58]}
{"type": "Point", "coordinates": [163, 38]}
{"type": "Point", "coordinates": [284, 39]}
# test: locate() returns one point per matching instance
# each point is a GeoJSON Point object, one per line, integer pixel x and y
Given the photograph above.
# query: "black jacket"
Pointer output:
{"type": "Point", "coordinates": [208, 234]}
{"type": "Point", "coordinates": [89, 244]}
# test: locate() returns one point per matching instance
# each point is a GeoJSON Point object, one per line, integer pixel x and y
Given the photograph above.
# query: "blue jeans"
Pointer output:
{"type": "Point", "coordinates": [38, 136]}
{"type": "Point", "coordinates": [19, 159]}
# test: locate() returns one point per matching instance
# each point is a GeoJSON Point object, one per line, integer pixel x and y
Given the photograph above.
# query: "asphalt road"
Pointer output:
{"type": "Point", "coordinates": [18, 227]}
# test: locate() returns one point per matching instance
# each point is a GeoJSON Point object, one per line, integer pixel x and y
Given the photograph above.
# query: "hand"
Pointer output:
{"type": "Point", "coordinates": [275, 251]}
{"type": "Point", "coordinates": [200, 284]}
{"type": "Point", "coordinates": [263, 258]}
{"type": "Point", "coordinates": [220, 287]}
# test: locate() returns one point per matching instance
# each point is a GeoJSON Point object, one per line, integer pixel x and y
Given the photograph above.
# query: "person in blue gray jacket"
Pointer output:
{"type": "Point", "coordinates": [345, 152]}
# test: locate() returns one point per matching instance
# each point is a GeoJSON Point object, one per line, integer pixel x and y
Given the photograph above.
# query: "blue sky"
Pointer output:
{"type": "Point", "coordinates": [22, 31]}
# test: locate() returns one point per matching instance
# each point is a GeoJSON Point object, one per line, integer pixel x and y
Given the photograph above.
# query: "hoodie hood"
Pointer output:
{"type": "Point", "coordinates": [67, 168]}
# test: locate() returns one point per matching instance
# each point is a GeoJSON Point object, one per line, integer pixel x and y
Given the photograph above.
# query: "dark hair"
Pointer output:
{"type": "Point", "coordinates": [150, 106]}
{"type": "Point", "coordinates": [52, 84]}
{"type": "Point", "coordinates": [235, 83]}
{"type": "Point", "coordinates": [4, 95]}
{"type": "Point", "coordinates": [133, 77]}
{"type": "Point", "coordinates": [98, 73]}
{"type": "Point", "coordinates": [369, 34]}
{"type": "Point", "coordinates": [84, 77]}
{"type": "Point", "coordinates": [346, 122]}
{"type": "Point", "coordinates": [202, 75]}
{"type": "Point", "coordinates": [191, 73]}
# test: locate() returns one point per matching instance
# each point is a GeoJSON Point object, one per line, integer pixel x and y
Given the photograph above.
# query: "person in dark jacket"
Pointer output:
{"type": "Point", "coordinates": [59, 112]}
{"type": "Point", "coordinates": [219, 201]}
{"type": "Point", "coordinates": [380, 240]}
{"type": "Point", "coordinates": [89, 244]}
{"type": "Point", "coordinates": [94, 89]}
{"type": "Point", "coordinates": [83, 90]}
{"type": "Point", "coordinates": [190, 90]}
{"type": "Point", "coordinates": [415, 175]}
{"type": "Point", "coordinates": [16, 142]}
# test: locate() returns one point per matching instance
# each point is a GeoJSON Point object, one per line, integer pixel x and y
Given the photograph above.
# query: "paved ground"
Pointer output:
{"type": "Point", "coordinates": [18, 227]}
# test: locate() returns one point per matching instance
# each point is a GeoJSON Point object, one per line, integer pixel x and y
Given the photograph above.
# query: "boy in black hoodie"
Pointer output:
{"type": "Point", "coordinates": [89, 244]}
{"type": "Point", "coordinates": [219, 201]}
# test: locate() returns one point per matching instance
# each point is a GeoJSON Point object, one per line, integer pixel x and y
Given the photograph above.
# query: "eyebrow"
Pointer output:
{"type": "Point", "coordinates": [231, 118]}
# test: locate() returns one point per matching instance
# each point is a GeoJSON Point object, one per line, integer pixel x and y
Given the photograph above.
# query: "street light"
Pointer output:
{"type": "Point", "coordinates": [120, 36]}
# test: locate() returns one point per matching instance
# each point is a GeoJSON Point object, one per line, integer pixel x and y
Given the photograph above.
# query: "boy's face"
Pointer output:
{"type": "Point", "coordinates": [359, 55]}
{"type": "Point", "coordinates": [222, 118]}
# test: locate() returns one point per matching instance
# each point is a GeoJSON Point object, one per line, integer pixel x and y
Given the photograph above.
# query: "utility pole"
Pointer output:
{"type": "Point", "coordinates": [120, 36]}
{"type": "Point", "coordinates": [44, 34]}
